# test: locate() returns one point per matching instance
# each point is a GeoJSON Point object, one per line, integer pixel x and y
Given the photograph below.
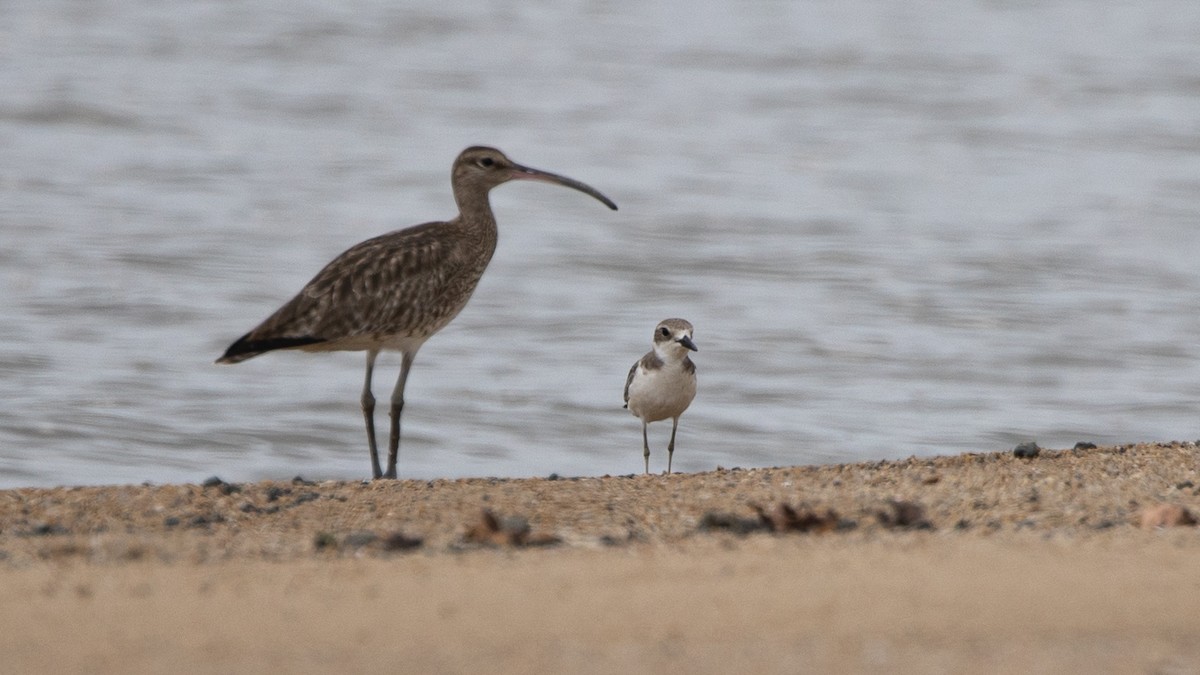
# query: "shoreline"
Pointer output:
{"type": "Point", "coordinates": [963, 562]}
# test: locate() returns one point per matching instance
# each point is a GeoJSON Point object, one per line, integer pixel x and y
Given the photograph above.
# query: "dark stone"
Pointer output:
{"type": "Point", "coordinates": [44, 529]}
{"type": "Point", "coordinates": [222, 487]}
{"type": "Point", "coordinates": [398, 541]}
{"type": "Point", "coordinates": [1085, 445]}
{"type": "Point", "coordinates": [324, 540]}
{"type": "Point", "coordinates": [1027, 450]}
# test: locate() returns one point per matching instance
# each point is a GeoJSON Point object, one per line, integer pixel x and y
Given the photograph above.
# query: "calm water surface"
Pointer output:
{"type": "Point", "coordinates": [899, 228]}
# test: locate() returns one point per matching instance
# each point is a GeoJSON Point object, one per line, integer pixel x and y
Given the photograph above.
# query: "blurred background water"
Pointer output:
{"type": "Point", "coordinates": [899, 228]}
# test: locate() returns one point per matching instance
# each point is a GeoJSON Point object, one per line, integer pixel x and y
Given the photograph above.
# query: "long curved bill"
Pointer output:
{"type": "Point", "coordinates": [525, 173]}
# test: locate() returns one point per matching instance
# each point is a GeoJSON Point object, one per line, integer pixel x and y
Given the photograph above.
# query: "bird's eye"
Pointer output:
{"type": "Point", "coordinates": [666, 332]}
{"type": "Point", "coordinates": [486, 162]}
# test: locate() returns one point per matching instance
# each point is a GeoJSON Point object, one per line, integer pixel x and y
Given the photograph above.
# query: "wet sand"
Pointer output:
{"type": "Point", "coordinates": [974, 562]}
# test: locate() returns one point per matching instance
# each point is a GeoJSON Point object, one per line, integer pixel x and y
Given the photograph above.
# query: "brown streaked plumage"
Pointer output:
{"type": "Point", "coordinates": [394, 291]}
{"type": "Point", "coordinates": [662, 383]}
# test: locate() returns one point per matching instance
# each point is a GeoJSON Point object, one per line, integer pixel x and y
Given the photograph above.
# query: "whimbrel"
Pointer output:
{"type": "Point", "coordinates": [396, 290]}
{"type": "Point", "coordinates": [663, 383]}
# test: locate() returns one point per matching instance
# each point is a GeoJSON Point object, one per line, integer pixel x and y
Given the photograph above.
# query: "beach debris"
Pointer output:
{"type": "Point", "coordinates": [357, 540]}
{"type": "Point", "coordinates": [1026, 450]}
{"type": "Point", "coordinates": [324, 540]}
{"type": "Point", "coordinates": [721, 520]}
{"type": "Point", "coordinates": [1084, 445]}
{"type": "Point", "coordinates": [785, 518]}
{"type": "Point", "coordinates": [306, 497]}
{"type": "Point", "coordinates": [781, 519]}
{"type": "Point", "coordinates": [205, 519]}
{"type": "Point", "coordinates": [1166, 515]}
{"type": "Point", "coordinates": [493, 530]}
{"type": "Point", "coordinates": [631, 535]}
{"type": "Point", "coordinates": [904, 515]}
{"type": "Point", "coordinates": [366, 539]}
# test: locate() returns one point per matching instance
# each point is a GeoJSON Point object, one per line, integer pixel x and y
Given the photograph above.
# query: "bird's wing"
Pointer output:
{"type": "Point", "coordinates": [375, 287]}
{"type": "Point", "coordinates": [629, 381]}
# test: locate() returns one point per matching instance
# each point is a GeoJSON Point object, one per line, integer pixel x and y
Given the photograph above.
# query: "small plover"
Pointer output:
{"type": "Point", "coordinates": [663, 383]}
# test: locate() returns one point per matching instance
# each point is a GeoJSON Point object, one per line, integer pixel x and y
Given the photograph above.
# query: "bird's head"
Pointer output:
{"type": "Point", "coordinates": [479, 169]}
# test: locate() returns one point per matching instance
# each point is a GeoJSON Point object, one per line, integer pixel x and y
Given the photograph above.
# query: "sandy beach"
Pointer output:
{"type": "Point", "coordinates": [1077, 560]}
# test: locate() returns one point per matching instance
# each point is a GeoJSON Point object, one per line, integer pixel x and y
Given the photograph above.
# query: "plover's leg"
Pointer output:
{"type": "Point", "coordinates": [646, 446]}
{"type": "Point", "coordinates": [671, 445]}
{"type": "Point", "coordinates": [397, 408]}
{"type": "Point", "coordinates": [368, 408]}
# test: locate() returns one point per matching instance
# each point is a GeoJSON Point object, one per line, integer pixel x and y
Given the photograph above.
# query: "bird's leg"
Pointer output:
{"type": "Point", "coordinates": [368, 408]}
{"type": "Point", "coordinates": [397, 408]}
{"type": "Point", "coordinates": [646, 447]}
{"type": "Point", "coordinates": [671, 445]}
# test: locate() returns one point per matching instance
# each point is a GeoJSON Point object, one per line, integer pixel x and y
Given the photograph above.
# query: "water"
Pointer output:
{"type": "Point", "coordinates": [899, 228]}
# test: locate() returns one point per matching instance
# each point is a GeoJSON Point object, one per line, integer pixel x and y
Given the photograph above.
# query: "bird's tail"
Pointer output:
{"type": "Point", "coordinates": [247, 348]}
